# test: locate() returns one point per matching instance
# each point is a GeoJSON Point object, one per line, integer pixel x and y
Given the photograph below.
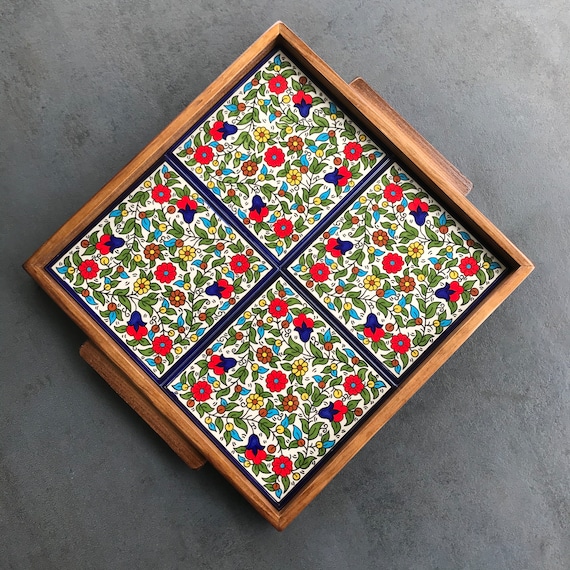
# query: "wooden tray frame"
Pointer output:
{"type": "Point", "coordinates": [408, 148]}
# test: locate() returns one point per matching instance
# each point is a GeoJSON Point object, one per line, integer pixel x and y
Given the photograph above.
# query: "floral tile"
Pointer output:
{"type": "Point", "coordinates": [279, 153]}
{"type": "Point", "coordinates": [278, 390]}
{"type": "Point", "coordinates": [160, 269]}
{"type": "Point", "coordinates": [397, 269]}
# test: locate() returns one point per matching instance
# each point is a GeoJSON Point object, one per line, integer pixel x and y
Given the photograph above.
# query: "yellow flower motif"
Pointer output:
{"type": "Point", "coordinates": [300, 367]}
{"type": "Point", "coordinates": [347, 306]}
{"type": "Point", "coordinates": [371, 282]}
{"type": "Point", "coordinates": [453, 274]}
{"type": "Point", "coordinates": [141, 286]}
{"type": "Point", "coordinates": [421, 277]}
{"type": "Point", "coordinates": [414, 353]}
{"type": "Point", "coordinates": [255, 367]}
{"type": "Point", "coordinates": [261, 134]}
{"type": "Point", "coordinates": [178, 350]}
{"type": "Point", "coordinates": [279, 429]}
{"type": "Point", "coordinates": [286, 99]}
{"type": "Point", "coordinates": [105, 260]}
{"type": "Point", "coordinates": [333, 116]}
{"type": "Point", "coordinates": [71, 270]}
{"type": "Point", "coordinates": [254, 402]}
{"type": "Point", "coordinates": [316, 200]}
{"type": "Point", "coordinates": [137, 258]}
{"type": "Point", "coordinates": [147, 184]}
{"type": "Point", "coordinates": [294, 177]}
{"type": "Point", "coordinates": [187, 253]}
{"type": "Point", "coordinates": [194, 337]}
{"type": "Point", "coordinates": [229, 427]}
{"type": "Point", "coordinates": [304, 396]}
{"type": "Point", "coordinates": [415, 250]}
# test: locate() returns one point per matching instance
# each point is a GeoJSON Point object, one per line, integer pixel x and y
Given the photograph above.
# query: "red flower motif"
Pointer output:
{"type": "Point", "coordinates": [304, 326]}
{"type": "Point", "coordinates": [455, 290]}
{"type": "Point", "coordinates": [282, 466]}
{"type": "Point", "coordinates": [278, 308]}
{"type": "Point", "coordinates": [220, 364]}
{"type": "Point", "coordinates": [88, 269]}
{"type": "Point", "coordinates": [221, 289]}
{"type": "Point", "coordinates": [276, 380]}
{"type": "Point", "coordinates": [400, 343]}
{"type": "Point", "coordinates": [136, 326]}
{"type": "Point", "coordinates": [239, 263]}
{"type": "Point", "coordinates": [161, 345]}
{"type": "Point", "coordinates": [320, 272]}
{"type": "Point", "coordinates": [255, 457]}
{"type": "Point", "coordinates": [283, 227]}
{"type": "Point", "coordinates": [203, 154]}
{"type": "Point", "coordinates": [274, 156]}
{"type": "Point", "coordinates": [392, 263]}
{"type": "Point", "coordinates": [108, 243]}
{"type": "Point", "coordinates": [393, 193]}
{"type": "Point", "coordinates": [165, 272]}
{"type": "Point", "coordinates": [277, 84]}
{"type": "Point", "coordinates": [338, 247]}
{"type": "Point", "coordinates": [339, 411]}
{"type": "Point", "coordinates": [353, 151]}
{"type": "Point", "coordinates": [353, 385]}
{"type": "Point", "coordinates": [201, 391]}
{"type": "Point", "coordinates": [469, 266]}
{"type": "Point", "coordinates": [161, 193]}
{"type": "Point", "coordinates": [339, 177]}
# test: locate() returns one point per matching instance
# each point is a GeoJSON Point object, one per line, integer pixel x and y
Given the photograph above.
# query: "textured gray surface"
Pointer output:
{"type": "Point", "coordinates": [472, 473]}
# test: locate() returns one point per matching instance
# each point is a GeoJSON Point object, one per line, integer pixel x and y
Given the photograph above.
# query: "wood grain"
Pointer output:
{"type": "Point", "coordinates": [410, 150]}
{"type": "Point", "coordinates": [113, 375]}
{"type": "Point", "coordinates": [424, 156]}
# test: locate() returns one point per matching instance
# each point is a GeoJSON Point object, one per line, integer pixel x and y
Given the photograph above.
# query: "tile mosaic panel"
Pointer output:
{"type": "Point", "coordinates": [279, 153]}
{"type": "Point", "coordinates": [397, 269]}
{"type": "Point", "coordinates": [160, 269]}
{"type": "Point", "coordinates": [278, 389]}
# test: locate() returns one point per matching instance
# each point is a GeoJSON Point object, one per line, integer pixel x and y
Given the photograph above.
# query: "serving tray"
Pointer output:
{"type": "Point", "coordinates": [274, 275]}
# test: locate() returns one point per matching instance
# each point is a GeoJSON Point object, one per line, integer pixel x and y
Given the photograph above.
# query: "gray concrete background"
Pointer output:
{"type": "Point", "coordinates": [472, 473]}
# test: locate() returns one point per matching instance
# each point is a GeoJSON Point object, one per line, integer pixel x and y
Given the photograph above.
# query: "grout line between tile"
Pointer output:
{"type": "Point", "coordinates": [338, 327]}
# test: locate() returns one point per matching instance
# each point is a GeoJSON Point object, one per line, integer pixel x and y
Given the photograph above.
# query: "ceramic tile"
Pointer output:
{"type": "Point", "coordinates": [160, 269]}
{"type": "Point", "coordinates": [278, 390]}
{"type": "Point", "coordinates": [397, 269]}
{"type": "Point", "coordinates": [279, 153]}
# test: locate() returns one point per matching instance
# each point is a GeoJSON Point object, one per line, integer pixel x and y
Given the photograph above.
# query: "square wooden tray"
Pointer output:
{"type": "Point", "coordinates": [277, 272]}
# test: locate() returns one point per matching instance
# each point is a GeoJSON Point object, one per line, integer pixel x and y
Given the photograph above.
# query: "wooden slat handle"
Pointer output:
{"type": "Point", "coordinates": [121, 384]}
{"type": "Point", "coordinates": [419, 147]}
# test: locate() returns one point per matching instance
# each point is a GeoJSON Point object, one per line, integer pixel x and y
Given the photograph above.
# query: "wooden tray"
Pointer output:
{"type": "Point", "coordinates": [274, 275]}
